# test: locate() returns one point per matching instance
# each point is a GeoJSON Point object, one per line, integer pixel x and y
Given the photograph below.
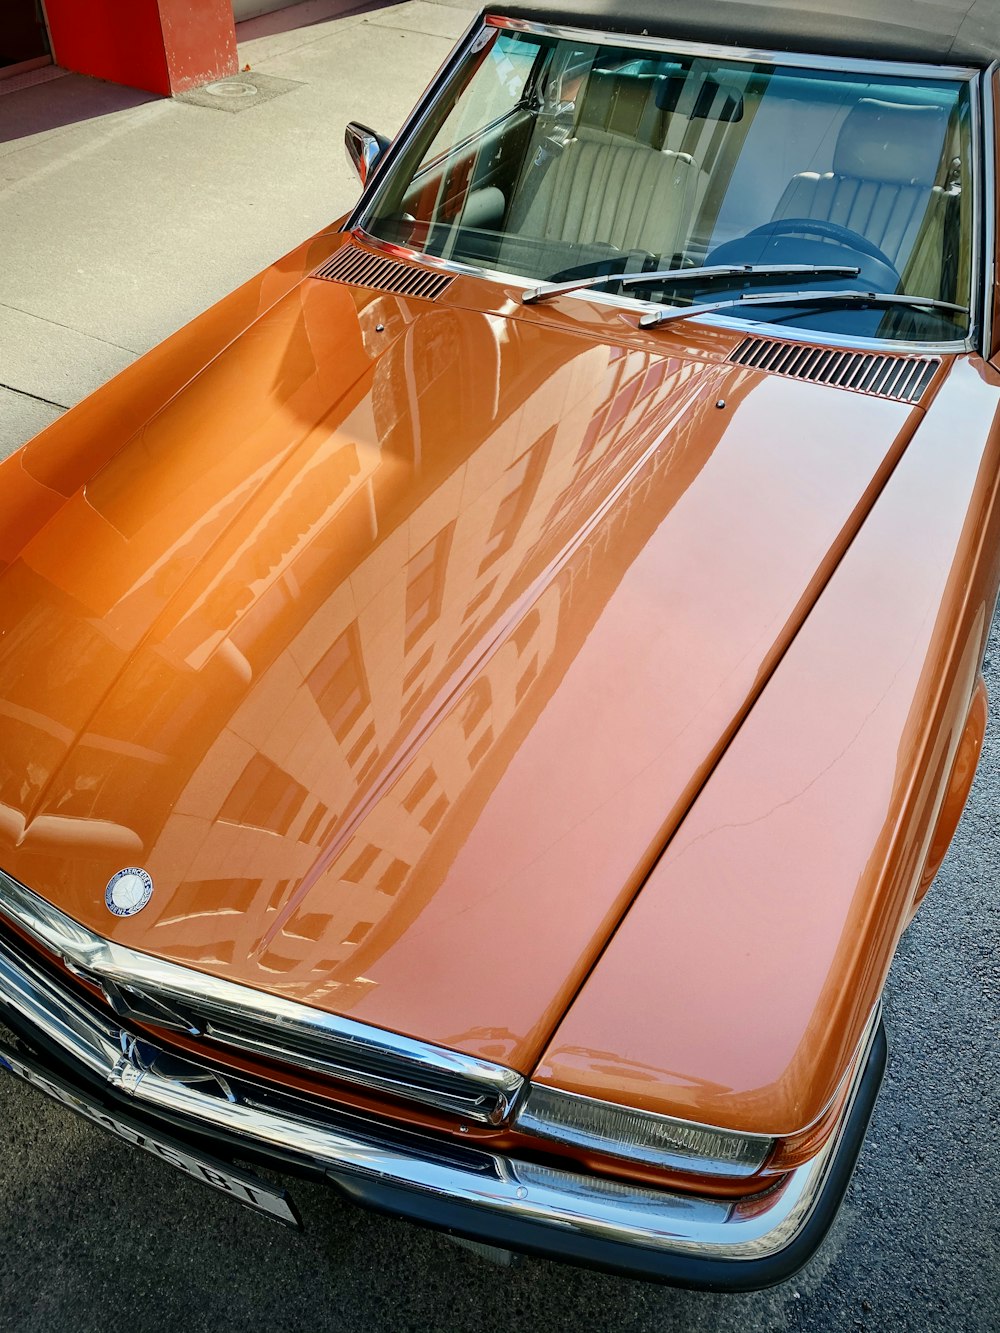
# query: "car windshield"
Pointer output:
{"type": "Point", "coordinates": [554, 160]}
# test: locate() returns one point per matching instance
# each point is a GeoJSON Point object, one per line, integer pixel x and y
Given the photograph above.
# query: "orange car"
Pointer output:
{"type": "Point", "coordinates": [479, 706]}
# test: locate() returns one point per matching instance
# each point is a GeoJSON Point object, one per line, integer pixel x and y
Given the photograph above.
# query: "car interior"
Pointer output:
{"type": "Point", "coordinates": [608, 163]}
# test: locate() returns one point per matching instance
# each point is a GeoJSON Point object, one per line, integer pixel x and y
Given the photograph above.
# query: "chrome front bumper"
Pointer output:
{"type": "Point", "coordinates": [681, 1238]}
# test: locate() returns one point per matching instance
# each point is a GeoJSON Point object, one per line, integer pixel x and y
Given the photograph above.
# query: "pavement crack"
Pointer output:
{"type": "Point", "coordinates": [6, 305]}
{"type": "Point", "coordinates": [50, 402]}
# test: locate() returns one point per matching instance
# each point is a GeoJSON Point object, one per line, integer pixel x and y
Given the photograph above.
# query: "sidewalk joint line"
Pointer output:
{"type": "Point", "coordinates": [50, 402]}
{"type": "Point", "coordinates": [95, 337]}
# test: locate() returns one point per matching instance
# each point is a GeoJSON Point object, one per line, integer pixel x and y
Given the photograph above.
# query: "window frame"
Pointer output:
{"type": "Point", "coordinates": [982, 172]}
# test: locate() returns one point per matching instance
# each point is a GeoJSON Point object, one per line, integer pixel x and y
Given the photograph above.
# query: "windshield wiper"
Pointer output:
{"type": "Point", "coordinates": [549, 289]}
{"type": "Point", "coordinates": [849, 297]}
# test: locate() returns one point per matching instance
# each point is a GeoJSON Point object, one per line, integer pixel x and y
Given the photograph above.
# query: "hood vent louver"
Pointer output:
{"type": "Point", "coordinates": [903, 378]}
{"type": "Point", "coordinates": [360, 267]}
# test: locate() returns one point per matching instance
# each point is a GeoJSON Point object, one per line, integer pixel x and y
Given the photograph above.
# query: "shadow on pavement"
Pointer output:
{"type": "Point", "coordinates": [62, 102]}
{"type": "Point", "coordinates": [303, 16]}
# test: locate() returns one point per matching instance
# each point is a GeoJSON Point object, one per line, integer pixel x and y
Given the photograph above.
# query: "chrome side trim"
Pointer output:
{"type": "Point", "coordinates": [492, 1184]}
{"type": "Point", "coordinates": [989, 204]}
{"type": "Point", "coordinates": [977, 315]}
{"type": "Point", "coordinates": [267, 1025]}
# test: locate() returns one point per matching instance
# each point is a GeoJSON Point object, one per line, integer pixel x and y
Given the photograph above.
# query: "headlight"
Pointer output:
{"type": "Point", "coordinates": [640, 1136]}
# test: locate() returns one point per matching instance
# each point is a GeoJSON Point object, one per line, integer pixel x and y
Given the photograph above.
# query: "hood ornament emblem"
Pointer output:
{"type": "Point", "coordinates": [128, 891]}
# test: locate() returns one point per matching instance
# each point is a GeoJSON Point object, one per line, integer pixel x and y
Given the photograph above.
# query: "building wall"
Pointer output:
{"type": "Point", "coordinates": [160, 46]}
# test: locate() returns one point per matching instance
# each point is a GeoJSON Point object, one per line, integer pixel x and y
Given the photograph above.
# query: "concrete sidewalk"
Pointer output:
{"type": "Point", "coordinates": [122, 215]}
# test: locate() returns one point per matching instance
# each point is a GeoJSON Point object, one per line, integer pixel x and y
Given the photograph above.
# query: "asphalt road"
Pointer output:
{"type": "Point", "coordinates": [97, 1236]}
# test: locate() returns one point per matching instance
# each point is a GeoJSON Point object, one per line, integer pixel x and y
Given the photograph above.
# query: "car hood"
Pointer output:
{"type": "Point", "coordinates": [397, 644]}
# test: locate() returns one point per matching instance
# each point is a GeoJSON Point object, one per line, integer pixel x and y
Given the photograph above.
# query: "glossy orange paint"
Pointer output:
{"type": "Point", "coordinates": [963, 770]}
{"type": "Point", "coordinates": [399, 638]}
{"type": "Point", "coordinates": [738, 986]}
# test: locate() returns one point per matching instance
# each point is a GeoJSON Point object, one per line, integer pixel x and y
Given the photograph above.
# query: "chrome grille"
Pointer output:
{"type": "Point", "coordinates": [166, 995]}
{"type": "Point", "coordinates": [903, 378]}
{"type": "Point", "coordinates": [354, 265]}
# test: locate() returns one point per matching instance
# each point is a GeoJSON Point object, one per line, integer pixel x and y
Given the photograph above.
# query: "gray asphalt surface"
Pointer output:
{"type": "Point", "coordinates": [97, 1236]}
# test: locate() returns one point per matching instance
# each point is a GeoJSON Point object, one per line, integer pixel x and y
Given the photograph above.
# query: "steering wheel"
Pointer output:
{"type": "Point", "coordinates": [830, 231]}
{"type": "Point", "coordinates": [879, 268]}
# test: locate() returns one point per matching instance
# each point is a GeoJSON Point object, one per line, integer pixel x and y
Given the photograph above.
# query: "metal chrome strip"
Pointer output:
{"type": "Point", "coordinates": [355, 223]}
{"type": "Point", "coordinates": [988, 203]}
{"type": "Point", "coordinates": [761, 56]}
{"type": "Point", "coordinates": [588, 1206]}
{"type": "Point", "coordinates": [575, 1135]}
{"type": "Point", "coordinates": [279, 1028]}
{"type": "Point", "coordinates": [631, 303]}
{"type": "Point", "coordinates": [977, 311]}
{"type": "Point", "coordinates": [786, 332]}
{"type": "Point", "coordinates": [412, 123]}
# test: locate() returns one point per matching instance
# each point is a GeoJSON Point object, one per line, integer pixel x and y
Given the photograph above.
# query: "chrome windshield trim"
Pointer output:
{"type": "Point", "coordinates": [819, 297]}
{"type": "Point", "coordinates": [988, 205]}
{"type": "Point", "coordinates": [762, 56]}
{"type": "Point", "coordinates": [977, 312]}
{"type": "Point", "coordinates": [411, 125]}
{"type": "Point", "coordinates": [669, 276]}
{"type": "Point", "coordinates": [785, 331]}
{"type": "Point", "coordinates": [628, 303]}
{"type": "Point", "coordinates": [397, 251]}
{"type": "Point", "coordinates": [355, 222]}
{"type": "Point", "coordinates": [491, 1184]}
{"type": "Point", "coordinates": [268, 1025]}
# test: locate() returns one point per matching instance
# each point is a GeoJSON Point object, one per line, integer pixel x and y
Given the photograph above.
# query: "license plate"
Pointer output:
{"type": "Point", "coordinates": [243, 1186]}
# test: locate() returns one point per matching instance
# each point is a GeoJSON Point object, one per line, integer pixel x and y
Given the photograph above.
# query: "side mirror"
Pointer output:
{"type": "Point", "coordinates": [364, 148]}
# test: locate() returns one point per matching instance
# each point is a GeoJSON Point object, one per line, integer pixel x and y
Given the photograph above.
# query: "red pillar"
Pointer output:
{"type": "Point", "coordinates": [162, 46]}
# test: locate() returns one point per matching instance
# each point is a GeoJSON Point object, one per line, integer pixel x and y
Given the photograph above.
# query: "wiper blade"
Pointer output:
{"type": "Point", "coordinates": [550, 289]}
{"type": "Point", "coordinates": [849, 297]}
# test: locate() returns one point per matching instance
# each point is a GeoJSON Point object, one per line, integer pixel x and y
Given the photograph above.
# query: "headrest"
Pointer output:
{"type": "Point", "coordinates": [715, 101]}
{"type": "Point", "coordinates": [616, 102]}
{"type": "Point", "coordinates": [887, 141]}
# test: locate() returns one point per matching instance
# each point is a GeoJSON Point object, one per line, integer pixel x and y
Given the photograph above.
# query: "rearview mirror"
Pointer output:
{"type": "Point", "coordinates": [364, 148]}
